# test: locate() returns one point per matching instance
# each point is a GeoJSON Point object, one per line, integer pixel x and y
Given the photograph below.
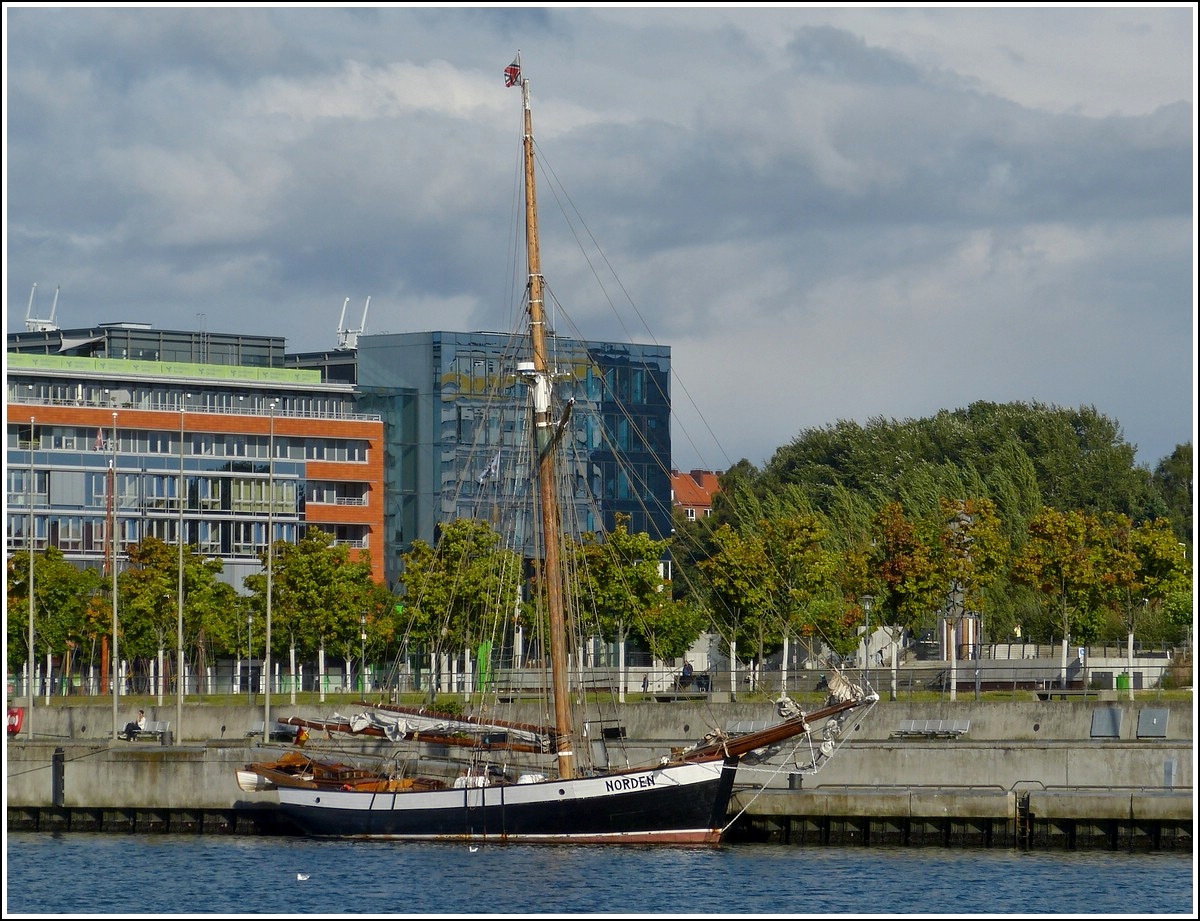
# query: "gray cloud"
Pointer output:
{"type": "Point", "coordinates": [827, 213]}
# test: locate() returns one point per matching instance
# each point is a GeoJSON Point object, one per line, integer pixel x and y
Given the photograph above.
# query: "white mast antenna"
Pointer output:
{"type": "Point", "coordinates": [342, 324]}
{"type": "Point", "coordinates": [34, 325]}
{"type": "Point", "coordinates": [348, 338]}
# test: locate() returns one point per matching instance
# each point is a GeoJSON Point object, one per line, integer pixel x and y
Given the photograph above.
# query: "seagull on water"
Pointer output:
{"type": "Point", "coordinates": [301, 876]}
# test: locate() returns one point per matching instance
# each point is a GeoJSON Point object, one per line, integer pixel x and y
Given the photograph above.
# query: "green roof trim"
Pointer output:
{"type": "Point", "coordinates": [128, 366]}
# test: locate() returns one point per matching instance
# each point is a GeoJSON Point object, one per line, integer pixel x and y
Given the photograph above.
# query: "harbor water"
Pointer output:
{"type": "Point", "coordinates": [75, 874]}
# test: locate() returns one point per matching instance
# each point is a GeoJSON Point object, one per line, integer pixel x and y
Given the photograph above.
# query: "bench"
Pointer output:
{"type": "Point", "coordinates": [699, 681]}
{"type": "Point", "coordinates": [1064, 693]}
{"type": "Point", "coordinates": [931, 729]}
{"type": "Point", "coordinates": [155, 729]}
{"type": "Point", "coordinates": [283, 732]}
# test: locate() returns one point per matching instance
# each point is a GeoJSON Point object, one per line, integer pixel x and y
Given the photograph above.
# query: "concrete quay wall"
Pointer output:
{"type": "Point", "coordinates": [681, 722]}
{"type": "Point", "coordinates": [1023, 769]}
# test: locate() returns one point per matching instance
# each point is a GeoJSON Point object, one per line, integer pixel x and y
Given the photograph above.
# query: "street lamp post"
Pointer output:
{"type": "Point", "coordinates": [957, 607]}
{"type": "Point", "coordinates": [362, 622]}
{"type": "Point", "coordinates": [270, 555]}
{"type": "Point", "coordinates": [29, 666]}
{"type": "Point", "coordinates": [180, 679]}
{"type": "Point", "coordinates": [866, 605]}
{"type": "Point", "coordinates": [978, 650]}
{"type": "Point", "coordinates": [116, 659]}
{"type": "Point", "coordinates": [250, 658]}
{"type": "Point", "coordinates": [161, 682]}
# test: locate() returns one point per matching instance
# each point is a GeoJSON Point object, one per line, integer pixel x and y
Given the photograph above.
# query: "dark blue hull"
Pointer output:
{"type": "Point", "coordinates": [679, 804]}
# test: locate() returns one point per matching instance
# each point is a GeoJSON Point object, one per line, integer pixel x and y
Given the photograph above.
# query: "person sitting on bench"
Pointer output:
{"type": "Point", "coordinates": [133, 728]}
{"type": "Point", "coordinates": [685, 680]}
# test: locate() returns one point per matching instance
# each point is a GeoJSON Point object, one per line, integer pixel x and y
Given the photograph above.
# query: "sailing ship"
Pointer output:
{"type": "Point", "coordinates": [680, 798]}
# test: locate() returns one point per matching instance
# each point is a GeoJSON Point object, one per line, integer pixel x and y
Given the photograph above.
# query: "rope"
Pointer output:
{"type": "Point", "coordinates": [757, 794]}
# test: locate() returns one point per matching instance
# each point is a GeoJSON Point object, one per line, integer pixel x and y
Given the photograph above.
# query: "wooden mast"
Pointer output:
{"type": "Point", "coordinates": [544, 440]}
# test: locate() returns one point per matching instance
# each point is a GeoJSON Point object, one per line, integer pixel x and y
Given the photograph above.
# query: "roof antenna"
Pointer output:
{"type": "Point", "coordinates": [348, 338]}
{"type": "Point", "coordinates": [35, 325]}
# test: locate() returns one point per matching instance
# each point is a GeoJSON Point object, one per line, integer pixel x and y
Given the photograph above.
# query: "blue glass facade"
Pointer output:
{"type": "Point", "coordinates": [455, 414]}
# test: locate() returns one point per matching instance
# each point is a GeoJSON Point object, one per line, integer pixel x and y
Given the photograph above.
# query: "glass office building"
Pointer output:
{"type": "Point", "coordinates": [444, 429]}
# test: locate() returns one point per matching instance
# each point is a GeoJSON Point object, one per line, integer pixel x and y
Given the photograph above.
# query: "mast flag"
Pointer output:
{"type": "Point", "coordinates": [512, 73]}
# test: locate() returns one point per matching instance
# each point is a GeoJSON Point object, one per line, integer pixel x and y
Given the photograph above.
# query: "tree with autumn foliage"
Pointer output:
{"type": "Point", "coordinates": [1064, 560]}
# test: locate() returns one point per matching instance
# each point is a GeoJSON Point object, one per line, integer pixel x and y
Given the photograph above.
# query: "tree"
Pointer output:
{"type": "Point", "coordinates": [970, 553]}
{"type": "Point", "coordinates": [1174, 480]}
{"type": "Point", "coordinates": [62, 599]}
{"type": "Point", "coordinates": [148, 589]}
{"type": "Point", "coordinates": [463, 591]}
{"type": "Point", "coordinates": [803, 570]}
{"type": "Point", "coordinates": [149, 604]}
{"type": "Point", "coordinates": [741, 587]}
{"type": "Point", "coordinates": [620, 578]}
{"type": "Point", "coordinates": [902, 562]}
{"type": "Point", "coordinates": [319, 594]}
{"type": "Point", "coordinates": [1060, 559]}
{"type": "Point", "coordinates": [670, 626]}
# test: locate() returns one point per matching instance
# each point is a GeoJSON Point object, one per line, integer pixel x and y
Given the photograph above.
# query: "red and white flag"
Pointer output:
{"type": "Point", "coordinates": [99, 440]}
{"type": "Point", "coordinates": [512, 73]}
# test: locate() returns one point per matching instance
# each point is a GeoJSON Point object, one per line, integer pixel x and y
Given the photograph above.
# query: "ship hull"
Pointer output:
{"type": "Point", "coordinates": [673, 804]}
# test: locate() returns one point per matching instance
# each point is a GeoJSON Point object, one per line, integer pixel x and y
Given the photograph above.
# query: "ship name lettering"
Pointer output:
{"type": "Point", "coordinates": [629, 783]}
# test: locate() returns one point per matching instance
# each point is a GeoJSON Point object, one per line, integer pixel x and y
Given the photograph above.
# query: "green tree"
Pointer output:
{"type": "Point", "coordinates": [1174, 479]}
{"type": "Point", "coordinates": [741, 587]}
{"type": "Point", "coordinates": [803, 569]}
{"type": "Point", "coordinates": [1060, 560]}
{"type": "Point", "coordinates": [148, 589]}
{"type": "Point", "coordinates": [320, 594]}
{"type": "Point", "coordinates": [669, 626]}
{"type": "Point", "coordinates": [462, 592]}
{"type": "Point", "coordinates": [62, 602]}
{"type": "Point", "coordinates": [619, 577]}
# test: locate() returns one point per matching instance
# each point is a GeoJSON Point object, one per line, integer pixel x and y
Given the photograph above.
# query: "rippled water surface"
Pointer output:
{"type": "Point", "coordinates": [73, 874]}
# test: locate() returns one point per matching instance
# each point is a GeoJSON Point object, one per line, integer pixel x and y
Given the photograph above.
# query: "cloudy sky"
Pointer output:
{"type": "Point", "coordinates": [827, 213]}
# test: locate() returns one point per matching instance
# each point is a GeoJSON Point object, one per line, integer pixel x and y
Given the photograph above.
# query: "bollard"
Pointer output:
{"type": "Point", "coordinates": [58, 777]}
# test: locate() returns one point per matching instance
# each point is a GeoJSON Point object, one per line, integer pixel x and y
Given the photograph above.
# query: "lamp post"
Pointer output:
{"type": "Point", "coordinates": [29, 676]}
{"type": "Point", "coordinates": [161, 681]}
{"type": "Point", "coordinates": [362, 622]}
{"type": "Point", "coordinates": [270, 555]}
{"type": "Point", "coordinates": [866, 606]}
{"type": "Point", "coordinates": [957, 608]}
{"type": "Point", "coordinates": [978, 650]}
{"type": "Point", "coordinates": [180, 681]}
{"type": "Point", "coordinates": [116, 659]}
{"type": "Point", "coordinates": [249, 657]}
